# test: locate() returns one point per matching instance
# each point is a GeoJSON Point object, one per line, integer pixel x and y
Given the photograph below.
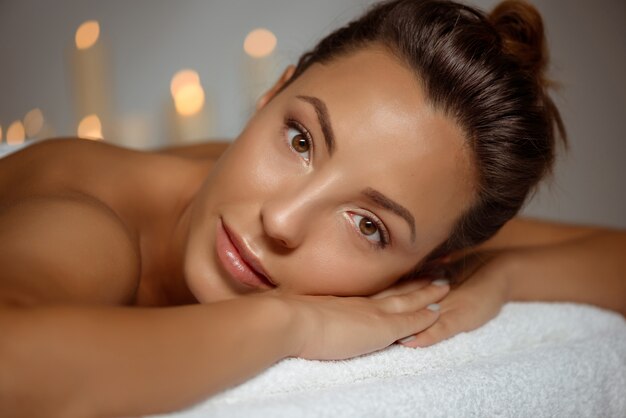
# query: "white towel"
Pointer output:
{"type": "Point", "coordinates": [533, 360]}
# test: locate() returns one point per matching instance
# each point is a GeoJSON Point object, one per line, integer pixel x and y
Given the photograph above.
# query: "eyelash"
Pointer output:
{"type": "Point", "coordinates": [292, 123]}
{"type": "Point", "coordinates": [384, 234]}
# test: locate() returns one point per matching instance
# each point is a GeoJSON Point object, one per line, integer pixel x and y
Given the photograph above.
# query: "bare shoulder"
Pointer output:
{"type": "Point", "coordinates": [94, 167]}
{"type": "Point", "coordinates": [70, 215]}
{"type": "Point", "coordinates": [207, 150]}
{"type": "Point", "coordinates": [65, 250]}
{"type": "Point", "coordinates": [42, 166]}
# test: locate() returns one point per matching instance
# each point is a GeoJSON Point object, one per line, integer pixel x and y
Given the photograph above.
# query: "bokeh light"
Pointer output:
{"type": "Point", "coordinates": [87, 34]}
{"type": "Point", "coordinates": [187, 92]}
{"type": "Point", "coordinates": [90, 127]}
{"type": "Point", "coordinates": [183, 78]}
{"type": "Point", "coordinates": [33, 122]}
{"type": "Point", "coordinates": [189, 99]}
{"type": "Point", "coordinates": [0, 133]}
{"type": "Point", "coordinates": [15, 133]}
{"type": "Point", "coordinates": [259, 43]}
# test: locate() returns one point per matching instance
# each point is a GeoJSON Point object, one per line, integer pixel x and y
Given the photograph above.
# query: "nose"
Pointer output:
{"type": "Point", "coordinates": [287, 216]}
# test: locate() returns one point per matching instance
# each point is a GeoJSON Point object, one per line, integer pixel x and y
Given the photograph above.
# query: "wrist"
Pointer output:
{"type": "Point", "coordinates": [292, 323]}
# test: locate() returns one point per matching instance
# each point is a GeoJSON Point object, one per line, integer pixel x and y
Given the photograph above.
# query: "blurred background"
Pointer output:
{"type": "Point", "coordinates": [152, 73]}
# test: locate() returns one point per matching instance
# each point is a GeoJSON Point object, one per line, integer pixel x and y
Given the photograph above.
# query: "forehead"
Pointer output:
{"type": "Point", "coordinates": [390, 138]}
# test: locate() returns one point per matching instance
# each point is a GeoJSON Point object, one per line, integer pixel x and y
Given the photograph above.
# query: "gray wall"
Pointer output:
{"type": "Point", "coordinates": [147, 41]}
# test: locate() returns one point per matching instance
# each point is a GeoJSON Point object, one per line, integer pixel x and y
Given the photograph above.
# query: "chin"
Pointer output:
{"type": "Point", "coordinates": [201, 280]}
{"type": "Point", "coordinates": [201, 287]}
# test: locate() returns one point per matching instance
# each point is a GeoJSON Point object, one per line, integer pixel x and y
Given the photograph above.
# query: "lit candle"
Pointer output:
{"type": "Point", "coordinates": [260, 63]}
{"type": "Point", "coordinates": [192, 112]}
{"type": "Point", "coordinates": [90, 127]}
{"type": "Point", "coordinates": [15, 133]}
{"type": "Point", "coordinates": [90, 83]}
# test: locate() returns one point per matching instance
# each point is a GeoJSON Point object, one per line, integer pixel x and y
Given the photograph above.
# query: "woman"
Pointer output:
{"type": "Point", "coordinates": [394, 150]}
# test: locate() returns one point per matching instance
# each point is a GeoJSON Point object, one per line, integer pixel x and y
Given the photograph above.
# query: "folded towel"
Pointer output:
{"type": "Point", "coordinates": [534, 359]}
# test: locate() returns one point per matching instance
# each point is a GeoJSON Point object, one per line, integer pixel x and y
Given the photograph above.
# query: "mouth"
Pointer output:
{"type": "Point", "coordinates": [239, 261]}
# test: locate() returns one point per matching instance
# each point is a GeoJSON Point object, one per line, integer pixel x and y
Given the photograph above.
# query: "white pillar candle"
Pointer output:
{"type": "Point", "coordinates": [259, 64]}
{"type": "Point", "coordinates": [90, 76]}
{"type": "Point", "coordinates": [191, 109]}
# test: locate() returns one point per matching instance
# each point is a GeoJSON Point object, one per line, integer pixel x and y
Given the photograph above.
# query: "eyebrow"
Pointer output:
{"type": "Point", "coordinates": [324, 120]}
{"type": "Point", "coordinates": [384, 202]}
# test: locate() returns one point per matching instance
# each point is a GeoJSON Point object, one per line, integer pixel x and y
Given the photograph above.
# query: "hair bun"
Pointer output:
{"type": "Point", "coordinates": [521, 29]}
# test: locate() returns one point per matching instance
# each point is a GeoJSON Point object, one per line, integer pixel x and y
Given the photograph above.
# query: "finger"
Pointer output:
{"type": "Point", "coordinates": [417, 322]}
{"type": "Point", "coordinates": [416, 300]}
{"type": "Point", "coordinates": [446, 327]}
{"type": "Point", "coordinates": [402, 288]}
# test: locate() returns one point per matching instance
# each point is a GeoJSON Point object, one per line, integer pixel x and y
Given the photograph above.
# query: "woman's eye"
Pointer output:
{"type": "Point", "coordinates": [371, 229]}
{"type": "Point", "coordinates": [300, 143]}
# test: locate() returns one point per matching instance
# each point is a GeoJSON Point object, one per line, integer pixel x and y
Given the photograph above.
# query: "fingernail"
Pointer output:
{"type": "Point", "coordinates": [407, 339]}
{"type": "Point", "coordinates": [433, 307]}
{"type": "Point", "coordinates": [440, 282]}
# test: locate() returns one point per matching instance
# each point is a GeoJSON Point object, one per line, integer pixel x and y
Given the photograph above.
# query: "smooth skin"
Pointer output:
{"type": "Point", "coordinates": [300, 211]}
{"type": "Point", "coordinates": [98, 314]}
{"type": "Point", "coordinates": [80, 339]}
{"type": "Point", "coordinates": [106, 253]}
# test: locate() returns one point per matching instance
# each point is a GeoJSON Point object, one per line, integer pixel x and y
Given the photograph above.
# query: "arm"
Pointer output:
{"type": "Point", "coordinates": [106, 362]}
{"type": "Point", "coordinates": [588, 269]}
{"type": "Point", "coordinates": [87, 361]}
{"type": "Point", "coordinates": [532, 260]}
{"type": "Point", "coordinates": [549, 261]}
{"type": "Point", "coordinates": [527, 232]}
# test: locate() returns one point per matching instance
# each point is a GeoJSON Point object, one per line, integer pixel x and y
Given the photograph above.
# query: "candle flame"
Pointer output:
{"type": "Point", "coordinates": [15, 133]}
{"type": "Point", "coordinates": [189, 99]}
{"type": "Point", "coordinates": [183, 78]}
{"type": "Point", "coordinates": [90, 127]}
{"type": "Point", "coordinates": [259, 43]}
{"type": "Point", "coordinates": [87, 34]}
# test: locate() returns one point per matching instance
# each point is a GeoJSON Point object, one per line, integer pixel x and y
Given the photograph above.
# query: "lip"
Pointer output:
{"type": "Point", "coordinates": [238, 260]}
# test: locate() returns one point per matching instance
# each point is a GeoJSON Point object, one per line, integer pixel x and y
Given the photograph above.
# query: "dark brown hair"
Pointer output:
{"type": "Point", "coordinates": [484, 71]}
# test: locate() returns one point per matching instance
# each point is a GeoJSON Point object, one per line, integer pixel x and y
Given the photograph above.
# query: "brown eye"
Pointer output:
{"type": "Point", "coordinates": [300, 143]}
{"type": "Point", "coordinates": [367, 227]}
{"type": "Point", "coordinates": [299, 140]}
{"type": "Point", "coordinates": [371, 229]}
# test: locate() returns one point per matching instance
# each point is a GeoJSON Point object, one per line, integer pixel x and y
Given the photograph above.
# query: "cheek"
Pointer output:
{"type": "Point", "coordinates": [256, 165]}
{"type": "Point", "coordinates": [330, 266]}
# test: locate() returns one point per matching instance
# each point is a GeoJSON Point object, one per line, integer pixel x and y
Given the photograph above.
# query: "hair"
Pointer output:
{"type": "Point", "coordinates": [486, 72]}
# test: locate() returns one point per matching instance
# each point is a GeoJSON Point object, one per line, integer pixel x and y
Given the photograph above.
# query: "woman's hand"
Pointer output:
{"type": "Point", "coordinates": [334, 328]}
{"type": "Point", "coordinates": [480, 289]}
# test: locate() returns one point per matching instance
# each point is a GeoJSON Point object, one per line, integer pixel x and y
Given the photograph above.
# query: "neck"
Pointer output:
{"type": "Point", "coordinates": [163, 242]}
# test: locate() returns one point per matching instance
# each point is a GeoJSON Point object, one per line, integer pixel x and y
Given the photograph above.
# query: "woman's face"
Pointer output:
{"type": "Point", "coordinates": [339, 185]}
